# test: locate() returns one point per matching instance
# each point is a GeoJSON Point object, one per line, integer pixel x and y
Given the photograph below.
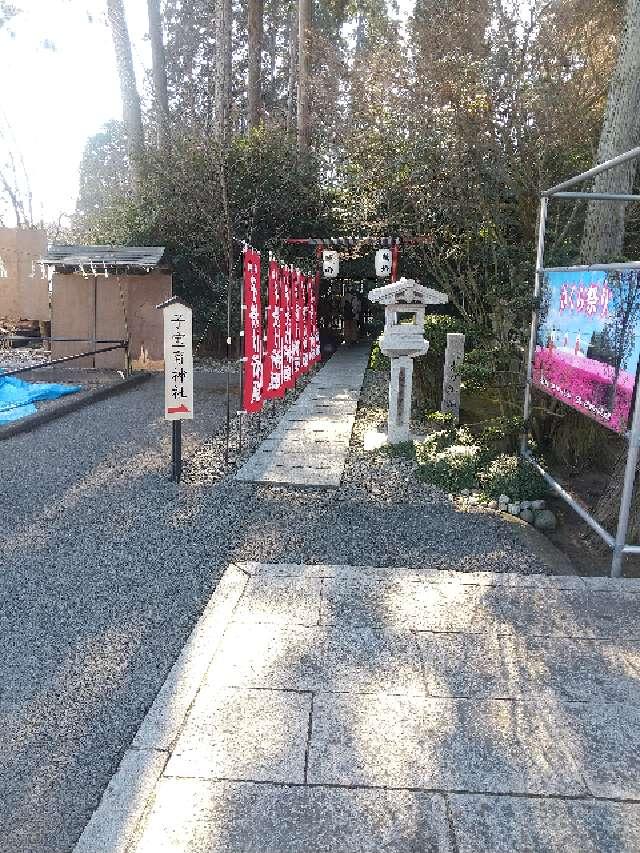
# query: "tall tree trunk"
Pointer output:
{"type": "Point", "coordinates": [159, 73]}
{"type": "Point", "coordinates": [131, 113]}
{"type": "Point", "coordinates": [223, 67]}
{"type": "Point", "coordinates": [604, 229]}
{"type": "Point", "coordinates": [603, 236]}
{"type": "Point", "coordinates": [293, 68]}
{"type": "Point", "coordinates": [228, 54]}
{"type": "Point", "coordinates": [254, 82]}
{"type": "Point", "coordinates": [304, 72]}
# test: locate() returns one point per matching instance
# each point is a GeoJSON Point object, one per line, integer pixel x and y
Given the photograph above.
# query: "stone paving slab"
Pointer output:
{"type": "Point", "coordinates": [411, 605]}
{"type": "Point", "coordinates": [348, 708]}
{"type": "Point", "coordinates": [327, 407]}
{"type": "Point", "coordinates": [467, 665]}
{"type": "Point", "coordinates": [257, 735]}
{"type": "Point", "coordinates": [605, 741]}
{"type": "Point", "coordinates": [523, 825]}
{"type": "Point", "coordinates": [569, 613]}
{"type": "Point", "coordinates": [366, 660]}
{"type": "Point", "coordinates": [295, 657]}
{"type": "Point", "coordinates": [442, 744]}
{"type": "Point", "coordinates": [576, 669]}
{"type": "Point", "coordinates": [422, 573]}
{"type": "Point", "coordinates": [195, 816]}
{"type": "Point", "coordinates": [284, 657]}
{"type": "Point", "coordinates": [280, 600]}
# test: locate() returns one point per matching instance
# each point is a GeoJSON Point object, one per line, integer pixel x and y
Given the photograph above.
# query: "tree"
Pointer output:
{"type": "Point", "coordinates": [254, 77]}
{"type": "Point", "coordinates": [159, 69]}
{"type": "Point", "coordinates": [128, 89]}
{"type": "Point", "coordinates": [223, 68]}
{"type": "Point", "coordinates": [103, 171]}
{"type": "Point", "coordinates": [293, 67]}
{"type": "Point", "coordinates": [304, 66]}
{"type": "Point", "coordinates": [7, 11]}
{"type": "Point", "coordinates": [604, 228]}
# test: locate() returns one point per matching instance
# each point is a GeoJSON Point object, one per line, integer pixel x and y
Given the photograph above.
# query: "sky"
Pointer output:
{"type": "Point", "coordinates": [53, 98]}
{"type": "Point", "coordinates": [59, 85]}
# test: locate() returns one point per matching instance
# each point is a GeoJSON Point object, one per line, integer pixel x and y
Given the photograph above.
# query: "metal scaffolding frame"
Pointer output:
{"type": "Point", "coordinates": [618, 542]}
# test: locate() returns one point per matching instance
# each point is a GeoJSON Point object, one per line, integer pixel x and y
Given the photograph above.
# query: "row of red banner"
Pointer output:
{"type": "Point", "coordinates": [292, 340]}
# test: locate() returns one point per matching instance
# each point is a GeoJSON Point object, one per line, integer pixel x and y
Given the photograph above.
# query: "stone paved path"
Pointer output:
{"type": "Point", "coordinates": [336, 708]}
{"type": "Point", "coordinates": [310, 445]}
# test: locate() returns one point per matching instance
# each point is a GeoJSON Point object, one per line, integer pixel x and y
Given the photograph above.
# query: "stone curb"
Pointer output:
{"type": "Point", "coordinates": [41, 418]}
{"type": "Point", "coordinates": [113, 825]}
{"type": "Point", "coordinates": [549, 554]}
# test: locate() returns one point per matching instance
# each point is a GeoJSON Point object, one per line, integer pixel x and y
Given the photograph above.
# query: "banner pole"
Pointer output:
{"type": "Point", "coordinates": [542, 225]}
{"type": "Point", "coordinates": [177, 450]}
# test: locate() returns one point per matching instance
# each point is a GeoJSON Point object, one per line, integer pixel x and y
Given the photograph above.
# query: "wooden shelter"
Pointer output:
{"type": "Point", "coordinates": [109, 293]}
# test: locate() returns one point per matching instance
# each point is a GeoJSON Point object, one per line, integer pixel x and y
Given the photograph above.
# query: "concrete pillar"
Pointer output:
{"type": "Point", "coordinates": [453, 358]}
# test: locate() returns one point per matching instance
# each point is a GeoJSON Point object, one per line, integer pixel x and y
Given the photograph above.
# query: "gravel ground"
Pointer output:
{"type": "Point", "coordinates": [107, 565]}
{"type": "Point", "coordinates": [381, 515]}
{"type": "Point", "coordinates": [14, 358]}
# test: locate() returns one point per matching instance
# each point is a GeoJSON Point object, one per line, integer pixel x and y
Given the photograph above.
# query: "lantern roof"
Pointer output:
{"type": "Point", "coordinates": [407, 290]}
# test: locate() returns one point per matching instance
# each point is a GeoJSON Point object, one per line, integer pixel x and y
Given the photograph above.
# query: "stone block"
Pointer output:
{"type": "Point", "coordinates": [198, 816]}
{"type": "Point", "coordinates": [605, 742]}
{"type": "Point", "coordinates": [582, 670]}
{"type": "Point", "coordinates": [410, 605]}
{"type": "Point", "coordinates": [446, 744]}
{"type": "Point", "coordinates": [467, 665]}
{"type": "Point", "coordinates": [526, 825]}
{"type": "Point", "coordinates": [370, 660]}
{"type": "Point", "coordinates": [253, 735]}
{"type": "Point", "coordinates": [283, 657]}
{"type": "Point", "coordinates": [278, 600]}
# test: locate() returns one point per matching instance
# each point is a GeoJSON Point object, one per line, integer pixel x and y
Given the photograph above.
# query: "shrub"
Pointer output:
{"type": "Point", "coordinates": [502, 433]}
{"type": "Point", "coordinates": [513, 476]}
{"type": "Point", "coordinates": [378, 361]}
{"type": "Point", "coordinates": [442, 419]}
{"type": "Point", "coordinates": [453, 469]}
{"type": "Point", "coordinates": [405, 449]}
{"type": "Point", "coordinates": [428, 370]}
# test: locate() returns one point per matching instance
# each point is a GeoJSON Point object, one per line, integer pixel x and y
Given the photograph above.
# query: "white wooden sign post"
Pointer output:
{"type": "Point", "coordinates": [178, 375]}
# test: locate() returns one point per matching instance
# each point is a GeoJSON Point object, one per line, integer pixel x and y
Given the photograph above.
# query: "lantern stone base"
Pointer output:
{"type": "Point", "coordinates": [373, 439]}
{"type": "Point", "coordinates": [400, 388]}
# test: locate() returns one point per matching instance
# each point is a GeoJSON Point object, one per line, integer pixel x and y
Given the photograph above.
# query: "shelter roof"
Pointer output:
{"type": "Point", "coordinates": [139, 258]}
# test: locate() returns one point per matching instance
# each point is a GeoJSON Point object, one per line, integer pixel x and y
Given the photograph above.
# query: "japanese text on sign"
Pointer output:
{"type": "Point", "coordinates": [178, 363]}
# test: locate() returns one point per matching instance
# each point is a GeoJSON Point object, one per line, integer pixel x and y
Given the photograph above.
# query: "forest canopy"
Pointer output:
{"type": "Point", "coordinates": [262, 120]}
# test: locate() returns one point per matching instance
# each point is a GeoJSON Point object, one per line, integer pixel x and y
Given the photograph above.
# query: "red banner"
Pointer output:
{"type": "Point", "coordinates": [273, 385]}
{"type": "Point", "coordinates": [253, 370]}
{"type": "Point", "coordinates": [288, 379]}
{"type": "Point", "coordinates": [305, 363]}
{"type": "Point", "coordinates": [296, 324]}
{"type": "Point", "coordinates": [314, 335]}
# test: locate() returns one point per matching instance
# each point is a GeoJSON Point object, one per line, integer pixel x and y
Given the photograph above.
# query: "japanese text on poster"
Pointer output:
{"type": "Point", "coordinates": [588, 342]}
{"type": "Point", "coordinates": [253, 367]}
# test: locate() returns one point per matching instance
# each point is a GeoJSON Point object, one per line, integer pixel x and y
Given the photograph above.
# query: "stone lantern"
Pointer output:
{"type": "Point", "coordinates": [403, 340]}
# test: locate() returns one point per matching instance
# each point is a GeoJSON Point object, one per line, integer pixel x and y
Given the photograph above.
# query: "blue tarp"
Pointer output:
{"type": "Point", "coordinates": [17, 397]}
